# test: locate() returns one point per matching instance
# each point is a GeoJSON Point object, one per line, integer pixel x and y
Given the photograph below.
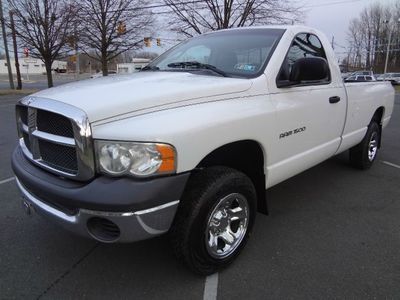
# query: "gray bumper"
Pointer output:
{"type": "Point", "coordinates": [107, 226]}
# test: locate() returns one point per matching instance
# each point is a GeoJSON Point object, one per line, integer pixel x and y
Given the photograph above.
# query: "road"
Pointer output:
{"type": "Point", "coordinates": [333, 232]}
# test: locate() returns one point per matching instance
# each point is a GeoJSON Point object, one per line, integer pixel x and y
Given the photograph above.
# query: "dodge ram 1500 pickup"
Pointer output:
{"type": "Point", "coordinates": [190, 144]}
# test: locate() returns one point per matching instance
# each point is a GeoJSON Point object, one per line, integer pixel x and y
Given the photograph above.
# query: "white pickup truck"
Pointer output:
{"type": "Point", "coordinates": [189, 145]}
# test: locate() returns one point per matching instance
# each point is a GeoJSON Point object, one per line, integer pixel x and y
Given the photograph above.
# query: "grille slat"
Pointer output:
{"type": "Point", "coordinates": [23, 112]}
{"type": "Point", "coordinates": [26, 140]}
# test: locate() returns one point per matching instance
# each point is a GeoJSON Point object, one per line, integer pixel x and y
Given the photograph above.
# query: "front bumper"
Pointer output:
{"type": "Point", "coordinates": [106, 209]}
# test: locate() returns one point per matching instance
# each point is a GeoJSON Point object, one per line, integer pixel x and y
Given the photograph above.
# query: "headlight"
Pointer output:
{"type": "Point", "coordinates": [136, 159]}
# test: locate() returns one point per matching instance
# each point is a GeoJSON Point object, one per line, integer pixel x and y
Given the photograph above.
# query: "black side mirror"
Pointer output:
{"type": "Point", "coordinates": [307, 70]}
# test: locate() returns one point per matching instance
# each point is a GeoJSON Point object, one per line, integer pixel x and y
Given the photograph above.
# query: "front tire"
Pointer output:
{"type": "Point", "coordinates": [364, 154]}
{"type": "Point", "coordinates": [214, 219]}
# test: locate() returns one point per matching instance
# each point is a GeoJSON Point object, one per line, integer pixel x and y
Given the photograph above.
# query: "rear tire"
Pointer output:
{"type": "Point", "coordinates": [364, 154]}
{"type": "Point", "coordinates": [214, 219]}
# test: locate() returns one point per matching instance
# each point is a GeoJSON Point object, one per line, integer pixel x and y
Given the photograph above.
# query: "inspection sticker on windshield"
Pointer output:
{"type": "Point", "coordinates": [245, 67]}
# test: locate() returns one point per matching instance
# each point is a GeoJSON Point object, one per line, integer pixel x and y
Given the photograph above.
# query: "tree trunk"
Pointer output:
{"type": "Point", "coordinates": [104, 64]}
{"type": "Point", "coordinates": [48, 63]}
{"type": "Point", "coordinates": [368, 63]}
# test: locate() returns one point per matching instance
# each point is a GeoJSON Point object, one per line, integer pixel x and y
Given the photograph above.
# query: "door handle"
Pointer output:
{"type": "Point", "coordinates": [334, 99]}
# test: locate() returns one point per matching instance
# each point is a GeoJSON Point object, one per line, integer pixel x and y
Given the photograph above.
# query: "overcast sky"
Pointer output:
{"type": "Point", "coordinates": [333, 16]}
{"type": "Point", "coordinates": [330, 16]}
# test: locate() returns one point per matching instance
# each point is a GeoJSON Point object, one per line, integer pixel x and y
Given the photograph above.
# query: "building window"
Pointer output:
{"type": "Point", "coordinates": [5, 64]}
{"type": "Point", "coordinates": [37, 66]}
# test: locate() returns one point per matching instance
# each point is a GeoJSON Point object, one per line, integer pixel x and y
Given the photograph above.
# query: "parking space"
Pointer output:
{"type": "Point", "coordinates": [332, 232]}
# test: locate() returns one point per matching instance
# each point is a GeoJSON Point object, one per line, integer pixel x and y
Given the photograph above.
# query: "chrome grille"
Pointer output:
{"type": "Point", "coordinates": [59, 157]}
{"type": "Point", "coordinates": [56, 136]}
{"type": "Point", "coordinates": [54, 123]}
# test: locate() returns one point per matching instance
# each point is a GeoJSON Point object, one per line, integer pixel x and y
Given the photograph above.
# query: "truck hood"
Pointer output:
{"type": "Point", "coordinates": [107, 97]}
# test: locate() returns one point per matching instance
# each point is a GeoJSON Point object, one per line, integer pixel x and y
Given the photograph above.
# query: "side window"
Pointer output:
{"type": "Point", "coordinates": [303, 45]}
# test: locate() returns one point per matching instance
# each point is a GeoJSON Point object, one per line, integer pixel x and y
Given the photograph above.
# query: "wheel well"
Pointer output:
{"type": "Point", "coordinates": [378, 117]}
{"type": "Point", "coordinates": [246, 156]}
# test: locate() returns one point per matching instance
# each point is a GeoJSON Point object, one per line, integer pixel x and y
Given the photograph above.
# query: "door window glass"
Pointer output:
{"type": "Point", "coordinates": [303, 45]}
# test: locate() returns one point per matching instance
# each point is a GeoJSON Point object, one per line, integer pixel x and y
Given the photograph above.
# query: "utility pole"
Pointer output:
{"type": "Point", "coordinates": [3, 28]}
{"type": "Point", "coordinates": [77, 67]}
{"type": "Point", "coordinates": [387, 52]}
{"type": "Point", "coordinates": [19, 82]}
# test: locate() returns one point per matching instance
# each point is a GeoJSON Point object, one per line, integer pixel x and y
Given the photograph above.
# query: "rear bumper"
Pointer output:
{"type": "Point", "coordinates": [106, 209]}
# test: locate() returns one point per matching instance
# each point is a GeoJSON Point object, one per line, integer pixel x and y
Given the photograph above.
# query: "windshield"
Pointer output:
{"type": "Point", "coordinates": [232, 53]}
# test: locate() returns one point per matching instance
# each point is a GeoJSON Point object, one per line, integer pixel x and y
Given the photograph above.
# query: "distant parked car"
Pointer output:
{"type": "Point", "coordinates": [365, 73]}
{"type": "Point", "coordinates": [394, 78]}
{"type": "Point", "coordinates": [360, 78]}
{"type": "Point", "coordinates": [100, 74]}
{"type": "Point", "coordinates": [58, 70]}
{"type": "Point", "coordinates": [345, 75]}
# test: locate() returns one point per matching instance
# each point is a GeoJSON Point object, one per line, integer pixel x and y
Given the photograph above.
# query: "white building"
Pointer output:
{"type": "Point", "coordinates": [136, 65]}
{"type": "Point", "coordinates": [31, 66]}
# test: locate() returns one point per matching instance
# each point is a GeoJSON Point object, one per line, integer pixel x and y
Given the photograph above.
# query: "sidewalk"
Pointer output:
{"type": "Point", "coordinates": [5, 92]}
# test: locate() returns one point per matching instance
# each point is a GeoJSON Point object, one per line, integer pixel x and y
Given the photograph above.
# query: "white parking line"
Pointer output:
{"type": "Point", "coordinates": [390, 164]}
{"type": "Point", "coordinates": [7, 180]}
{"type": "Point", "coordinates": [211, 287]}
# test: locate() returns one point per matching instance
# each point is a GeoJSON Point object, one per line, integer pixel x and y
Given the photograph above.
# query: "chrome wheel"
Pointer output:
{"type": "Point", "coordinates": [227, 225]}
{"type": "Point", "coordinates": [373, 146]}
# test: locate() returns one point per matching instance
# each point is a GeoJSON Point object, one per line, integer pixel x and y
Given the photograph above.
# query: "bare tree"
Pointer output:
{"type": "Point", "coordinates": [196, 17]}
{"type": "Point", "coordinates": [112, 27]}
{"type": "Point", "coordinates": [368, 37]}
{"type": "Point", "coordinates": [43, 26]}
{"type": "Point", "coordinates": [355, 41]}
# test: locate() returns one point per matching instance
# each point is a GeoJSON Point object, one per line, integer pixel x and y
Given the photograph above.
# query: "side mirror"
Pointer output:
{"type": "Point", "coordinates": [307, 70]}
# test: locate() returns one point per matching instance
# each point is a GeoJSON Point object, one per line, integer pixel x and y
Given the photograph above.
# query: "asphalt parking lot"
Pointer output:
{"type": "Point", "coordinates": [333, 232]}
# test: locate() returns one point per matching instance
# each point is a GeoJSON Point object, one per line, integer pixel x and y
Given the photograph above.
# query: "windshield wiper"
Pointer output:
{"type": "Point", "coordinates": [197, 65]}
{"type": "Point", "coordinates": [150, 68]}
